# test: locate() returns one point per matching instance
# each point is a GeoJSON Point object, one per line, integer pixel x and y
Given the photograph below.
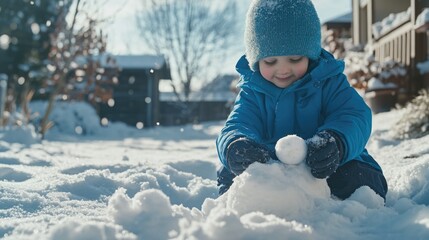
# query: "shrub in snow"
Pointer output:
{"type": "Point", "coordinates": [336, 42]}
{"type": "Point", "coordinates": [25, 134]}
{"type": "Point", "coordinates": [414, 122]}
{"type": "Point", "coordinates": [73, 118]}
{"type": "Point", "coordinates": [365, 73]}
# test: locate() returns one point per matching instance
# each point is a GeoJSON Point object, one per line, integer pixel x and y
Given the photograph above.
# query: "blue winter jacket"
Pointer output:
{"type": "Point", "coordinates": [323, 99]}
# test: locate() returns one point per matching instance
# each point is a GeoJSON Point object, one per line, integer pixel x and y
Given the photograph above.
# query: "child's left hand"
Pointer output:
{"type": "Point", "coordinates": [324, 153]}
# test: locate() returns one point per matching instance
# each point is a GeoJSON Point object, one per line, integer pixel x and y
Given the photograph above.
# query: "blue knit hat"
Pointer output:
{"type": "Point", "coordinates": [281, 28]}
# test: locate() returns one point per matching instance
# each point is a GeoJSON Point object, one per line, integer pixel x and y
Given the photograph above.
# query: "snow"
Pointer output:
{"type": "Point", "coordinates": [374, 83]}
{"type": "Point", "coordinates": [422, 18]}
{"type": "Point", "coordinates": [367, 75]}
{"type": "Point", "coordinates": [423, 67]}
{"type": "Point", "coordinates": [118, 182]}
{"type": "Point", "coordinates": [4, 41]}
{"type": "Point", "coordinates": [392, 21]}
{"type": "Point", "coordinates": [291, 149]}
{"type": "Point", "coordinates": [283, 190]}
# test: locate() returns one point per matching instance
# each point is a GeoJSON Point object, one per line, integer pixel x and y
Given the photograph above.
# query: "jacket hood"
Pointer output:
{"type": "Point", "coordinates": [325, 67]}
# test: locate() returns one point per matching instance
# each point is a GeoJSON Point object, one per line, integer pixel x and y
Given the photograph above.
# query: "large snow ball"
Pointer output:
{"type": "Point", "coordinates": [291, 149]}
{"type": "Point", "coordinates": [276, 188]}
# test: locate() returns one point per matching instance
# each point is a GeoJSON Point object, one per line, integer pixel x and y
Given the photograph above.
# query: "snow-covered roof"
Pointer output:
{"type": "Point", "coordinates": [140, 61]}
{"type": "Point", "coordinates": [146, 61]}
{"type": "Point", "coordinates": [345, 18]}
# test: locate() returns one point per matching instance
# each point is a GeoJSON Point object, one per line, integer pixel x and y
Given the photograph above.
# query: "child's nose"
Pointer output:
{"type": "Point", "coordinates": [284, 69]}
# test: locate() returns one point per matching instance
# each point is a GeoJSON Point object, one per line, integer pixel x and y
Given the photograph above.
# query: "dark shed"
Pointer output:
{"type": "Point", "coordinates": [136, 94]}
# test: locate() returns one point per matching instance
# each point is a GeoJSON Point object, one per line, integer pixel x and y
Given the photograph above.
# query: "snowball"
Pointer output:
{"type": "Point", "coordinates": [291, 149]}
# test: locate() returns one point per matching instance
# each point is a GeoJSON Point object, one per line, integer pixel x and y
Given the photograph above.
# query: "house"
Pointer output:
{"type": "Point", "coordinates": [341, 25]}
{"type": "Point", "coordinates": [212, 102]}
{"type": "Point", "coordinates": [135, 98]}
{"type": "Point", "coordinates": [394, 30]}
{"type": "Point", "coordinates": [336, 34]}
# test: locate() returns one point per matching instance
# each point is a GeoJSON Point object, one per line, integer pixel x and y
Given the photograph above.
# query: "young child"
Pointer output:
{"type": "Point", "coordinates": [290, 85]}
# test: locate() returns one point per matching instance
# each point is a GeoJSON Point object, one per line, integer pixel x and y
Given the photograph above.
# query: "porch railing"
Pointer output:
{"type": "Point", "coordinates": [396, 45]}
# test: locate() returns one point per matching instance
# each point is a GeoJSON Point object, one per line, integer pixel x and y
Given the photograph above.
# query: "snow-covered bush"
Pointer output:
{"type": "Point", "coordinates": [414, 122]}
{"type": "Point", "coordinates": [24, 134]}
{"type": "Point", "coordinates": [365, 73]}
{"type": "Point", "coordinates": [70, 118]}
{"type": "Point", "coordinates": [336, 42]}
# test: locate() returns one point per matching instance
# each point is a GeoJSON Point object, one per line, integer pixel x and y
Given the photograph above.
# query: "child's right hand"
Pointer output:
{"type": "Point", "coordinates": [243, 152]}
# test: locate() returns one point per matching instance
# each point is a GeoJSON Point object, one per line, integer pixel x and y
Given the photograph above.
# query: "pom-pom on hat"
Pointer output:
{"type": "Point", "coordinates": [281, 28]}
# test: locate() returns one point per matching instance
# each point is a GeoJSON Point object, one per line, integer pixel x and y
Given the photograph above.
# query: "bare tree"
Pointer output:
{"type": "Point", "coordinates": [74, 61]}
{"type": "Point", "coordinates": [191, 34]}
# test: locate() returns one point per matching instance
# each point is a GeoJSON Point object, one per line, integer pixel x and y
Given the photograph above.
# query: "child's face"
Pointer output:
{"type": "Point", "coordinates": [282, 71]}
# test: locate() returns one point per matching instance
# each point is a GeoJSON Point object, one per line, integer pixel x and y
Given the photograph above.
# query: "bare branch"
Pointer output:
{"type": "Point", "coordinates": [192, 34]}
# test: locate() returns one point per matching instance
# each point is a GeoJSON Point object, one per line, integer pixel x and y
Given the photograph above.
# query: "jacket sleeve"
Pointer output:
{"type": "Point", "coordinates": [346, 113]}
{"type": "Point", "coordinates": [245, 120]}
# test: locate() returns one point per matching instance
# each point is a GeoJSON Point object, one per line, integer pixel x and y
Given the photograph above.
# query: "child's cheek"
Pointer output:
{"type": "Point", "coordinates": [301, 71]}
{"type": "Point", "coordinates": [266, 73]}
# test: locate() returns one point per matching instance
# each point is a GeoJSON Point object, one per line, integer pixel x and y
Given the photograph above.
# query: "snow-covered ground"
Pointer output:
{"type": "Point", "coordinates": [122, 183]}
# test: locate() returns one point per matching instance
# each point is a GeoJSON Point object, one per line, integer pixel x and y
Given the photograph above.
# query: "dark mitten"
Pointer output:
{"type": "Point", "coordinates": [324, 153]}
{"type": "Point", "coordinates": [224, 179]}
{"type": "Point", "coordinates": [243, 152]}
